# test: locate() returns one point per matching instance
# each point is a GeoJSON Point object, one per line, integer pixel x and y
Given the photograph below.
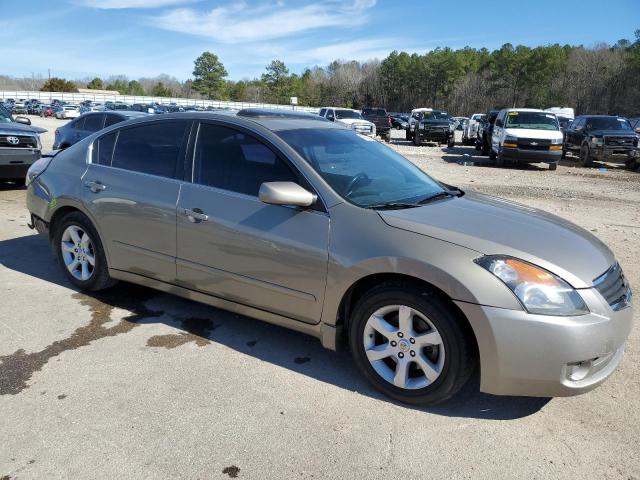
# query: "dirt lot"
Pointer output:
{"type": "Point", "coordinates": [132, 383]}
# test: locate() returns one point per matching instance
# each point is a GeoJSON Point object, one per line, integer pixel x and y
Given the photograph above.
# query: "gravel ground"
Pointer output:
{"type": "Point", "coordinates": [136, 384]}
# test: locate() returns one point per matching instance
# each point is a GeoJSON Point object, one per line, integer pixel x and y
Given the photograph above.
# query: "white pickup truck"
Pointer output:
{"type": "Point", "coordinates": [470, 132]}
{"type": "Point", "coordinates": [351, 118]}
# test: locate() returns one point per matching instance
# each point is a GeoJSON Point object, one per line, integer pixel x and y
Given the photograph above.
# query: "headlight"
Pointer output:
{"type": "Point", "coordinates": [510, 139]}
{"type": "Point", "coordinates": [596, 140]}
{"type": "Point", "coordinates": [538, 290]}
{"type": "Point", "coordinates": [556, 141]}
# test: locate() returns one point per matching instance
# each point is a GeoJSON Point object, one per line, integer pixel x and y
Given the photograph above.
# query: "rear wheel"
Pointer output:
{"type": "Point", "coordinates": [451, 142]}
{"type": "Point", "coordinates": [407, 134]}
{"type": "Point", "coordinates": [553, 166]}
{"type": "Point", "coordinates": [387, 136]}
{"type": "Point", "coordinates": [80, 252]}
{"type": "Point", "coordinates": [410, 345]}
{"type": "Point", "coordinates": [585, 156]}
{"type": "Point", "coordinates": [416, 139]}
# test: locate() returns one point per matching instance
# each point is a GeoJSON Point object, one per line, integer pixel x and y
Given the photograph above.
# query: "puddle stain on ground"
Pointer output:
{"type": "Point", "coordinates": [17, 368]}
{"type": "Point", "coordinates": [62, 397]}
{"type": "Point", "coordinates": [197, 330]}
{"type": "Point", "coordinates": [232, 471]}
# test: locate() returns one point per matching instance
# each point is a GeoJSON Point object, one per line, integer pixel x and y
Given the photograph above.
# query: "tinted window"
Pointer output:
{"type": "Point", "coordinates": [323, 111]}
{"type": "Point", "coordinates": [112, 120]}
{"type": "Point", "coordinates": [152, 149]}
{"type": "Point", "coordinates": [78, 124]}
{"type": "Point", "coordinates": [608, 123]}
{"type": "Point", "coordinates": [232, 160]}
{"type": "Point", "coordinates": [93, 123]}
{"type": "Point", "coordinates": [103, 149]}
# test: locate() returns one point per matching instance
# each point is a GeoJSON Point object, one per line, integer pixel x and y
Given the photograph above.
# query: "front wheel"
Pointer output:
{"type": "Point", "coordinates": [387, 136]}
{"type": "Point", "coordinates": [451, 143]}
{"type": "Point", "coordinates": [80, 253]}
{"type": "Point", "coordinates": [407, 134]}
{"type": "Point", "coordinates": [416, 139]}
{"type": "Point", "coordinates": [585, 156]}
{"type": "Point", "coordinates": [553, 166]}
{"type": "Point", "coordinates": [410, 345]}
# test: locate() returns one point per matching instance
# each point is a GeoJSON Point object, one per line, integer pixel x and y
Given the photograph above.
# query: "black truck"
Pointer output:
{"type": "Point", "coordinates": [604, 138]}
{"type": "Point", "coordinates": [434, 126]}
{"type": "Point", "coordinates": [381, 119]}
{"type": "Point", "coordinates": [19, 146]}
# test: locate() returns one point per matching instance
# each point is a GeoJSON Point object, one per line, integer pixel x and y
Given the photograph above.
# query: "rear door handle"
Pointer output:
{"type": "Point", "coordinates": [196, 215]}
{"type": "Point", "coordinates": [95, 187]}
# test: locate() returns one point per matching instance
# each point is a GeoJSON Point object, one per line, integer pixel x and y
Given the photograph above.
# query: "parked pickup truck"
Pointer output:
{"type": "Point", "coordinates": [603, 138]}
{"type": "Point", "coordinates": [381, 119]}
{"type": "Point", "coordinates": [19, 146]}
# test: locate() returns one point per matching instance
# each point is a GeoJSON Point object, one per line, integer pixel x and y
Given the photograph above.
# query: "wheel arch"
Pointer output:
{"type": "Point", "coordinates": [368, 282]}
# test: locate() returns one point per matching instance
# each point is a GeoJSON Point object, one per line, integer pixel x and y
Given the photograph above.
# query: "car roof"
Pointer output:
{"type": "Point", "coordinates": [537, 110]}
{"type": "Point", "coordinates": [422, 110]}
{"type": "Point", "coordinates": [272, 120]}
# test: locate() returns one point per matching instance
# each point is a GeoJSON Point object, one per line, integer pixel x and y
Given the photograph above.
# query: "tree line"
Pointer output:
{"type": "Point", "coordinates": [598, 79]}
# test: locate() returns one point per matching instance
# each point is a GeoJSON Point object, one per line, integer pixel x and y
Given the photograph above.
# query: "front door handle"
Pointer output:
{"type": "Point", "coordinates": [95, 187]}
{"type": "Point", "coordinates": [196, 215]}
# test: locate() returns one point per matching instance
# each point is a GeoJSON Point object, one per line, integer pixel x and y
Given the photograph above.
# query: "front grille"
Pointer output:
{"type": "Point", "coordinates": [620, 141]}
{"type": "Point", "coordinates": [24, 141]}
{"type": "Point", "coordinates": [533, 144]}
{"type": "Point", "coordinates": [362, 128]}
{"type": "Point", "coordinates": [614, 287]}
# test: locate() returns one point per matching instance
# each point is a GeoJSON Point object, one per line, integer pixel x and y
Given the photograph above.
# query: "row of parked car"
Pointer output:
{"type": "Point", "coordinates": [525, 135]}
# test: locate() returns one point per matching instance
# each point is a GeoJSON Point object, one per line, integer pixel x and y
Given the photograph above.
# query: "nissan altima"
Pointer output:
{"type": "Point", "coordinates": [304, 223]}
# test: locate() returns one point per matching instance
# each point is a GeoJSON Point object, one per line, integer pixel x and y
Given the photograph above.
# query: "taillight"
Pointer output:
{"type": "Point", "coordinates": [389, 121]}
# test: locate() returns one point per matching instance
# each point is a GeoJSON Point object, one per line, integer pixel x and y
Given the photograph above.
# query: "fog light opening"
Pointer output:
{"type": "Point", "coordinates": [579, 370]}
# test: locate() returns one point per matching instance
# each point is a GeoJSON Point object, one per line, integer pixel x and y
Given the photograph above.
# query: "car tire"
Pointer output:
{"type": "Point", "coordinates": [451, 142]}
{"type": "Point", "coordinates": [585, 156]}
{"type": "Point", "coordinates": [553, 166]}
{"type": "Point", "coordinates": [433, 368]}
{"type": "Point", "coordinates": [387, 136]}
{"type": "Point", "coordinates": [416, 139]}
{"type": "Point", "coordinates": [81, 244]}
{"type": "Point", "coordinates": [492, 155]}
{"type": "Point", "coordinates": [407, 134]}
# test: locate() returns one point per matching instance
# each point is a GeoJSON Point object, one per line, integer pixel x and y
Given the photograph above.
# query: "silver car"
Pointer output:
{"type": "Point", "coordinates": [300, 222]}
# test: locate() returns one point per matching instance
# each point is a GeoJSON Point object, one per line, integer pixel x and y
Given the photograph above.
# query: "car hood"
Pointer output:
{"type": "Point", "coordinates": [351, 121]}
{"type": "Point", "coordinates": [15, 127]}
{"type": "Point", "coordinates": [534, 133]}
{"type": "Point", "coordinates": [494, 226]}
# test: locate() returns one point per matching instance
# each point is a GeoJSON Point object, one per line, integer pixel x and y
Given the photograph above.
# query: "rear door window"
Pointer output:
{"type": "Point", "coordinates": [153, 149]}
{"type": "Point", "coordinates": [103, 149]}
{"type": "Point", "coordinates": [112, 119]}
{"type": "Point", "coordinates": [78, 124]}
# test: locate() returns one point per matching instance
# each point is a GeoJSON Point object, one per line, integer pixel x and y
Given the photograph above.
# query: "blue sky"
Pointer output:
{"type": "Point", "coordinates": [80, 38]}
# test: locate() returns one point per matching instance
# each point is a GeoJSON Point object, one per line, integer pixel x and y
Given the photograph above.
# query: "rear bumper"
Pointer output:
{"type": "Point", "coordinates": [531, 156]}
{"type": "Point", "coordinates": [15, 162]}
{"type": "Point", "coordinates": [537, 355]}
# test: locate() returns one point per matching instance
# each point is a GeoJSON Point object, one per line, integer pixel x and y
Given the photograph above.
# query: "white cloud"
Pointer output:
{"type": "Point", "coordinates": [121, 4]}
{"type": "Point", "coordinates": [240, 22]}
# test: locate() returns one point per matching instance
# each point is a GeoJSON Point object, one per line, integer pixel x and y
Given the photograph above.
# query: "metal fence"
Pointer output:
{"type": "Point", "coordinates": [47, 97]}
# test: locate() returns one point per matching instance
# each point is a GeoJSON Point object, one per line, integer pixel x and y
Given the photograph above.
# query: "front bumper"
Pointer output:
{"type": "Point", "coordinates": [543, 356]}
{"type": "Point", "coordinates": [436, 135]}
{"type": "Point", "coordinates": [615, 154]}
{"type": "Point", "coordinates": [531, 156]}
{"type": "Point", "coordinates": [14, 162]}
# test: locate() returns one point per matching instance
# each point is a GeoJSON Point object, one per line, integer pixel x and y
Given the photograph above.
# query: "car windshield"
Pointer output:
{"type": "Point", "coordinates": [374, 111]}
{"type": "Point", "coordinates": [608, 123]}
{"type": "Point", "coordinates": [435, 116]}
{"type": "Point", "coordinates": [361, 170]}
{"type": "Point", "coordinates": [532, 120]}
{"type": "Point", "coordinates": [340, 114]}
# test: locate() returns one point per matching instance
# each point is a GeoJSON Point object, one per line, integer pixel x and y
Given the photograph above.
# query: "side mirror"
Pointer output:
{"type": "Point", "coordinates": [499, 123]}
{"type": "Point", "coordinates": [285, 193]}
{"type": "Point", "coordinates": [637, 129]}
{"type": "Point", "coordinates": [23, 120]}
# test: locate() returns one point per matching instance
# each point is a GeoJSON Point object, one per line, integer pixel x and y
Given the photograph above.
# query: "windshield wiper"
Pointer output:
{"type": "Point", "coordinates": [392, 206]}
{"type": "Point", "coordinates": [437, 196]}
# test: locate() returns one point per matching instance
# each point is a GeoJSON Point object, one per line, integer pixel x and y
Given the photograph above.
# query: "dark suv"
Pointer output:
{"type": "Point", "coordinates": [603, 138]}
{"type": "Point", "coordinates": [434, 126]}
{"type": "Point", "coordinates": [19, 146]}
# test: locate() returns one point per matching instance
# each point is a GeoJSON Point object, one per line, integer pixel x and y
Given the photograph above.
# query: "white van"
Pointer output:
{"type": "Point", "coordinates": [526, 135]}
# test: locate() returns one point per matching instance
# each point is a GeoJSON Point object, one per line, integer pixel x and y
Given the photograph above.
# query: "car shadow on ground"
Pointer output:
{"type": "Point", "coordinates": [202, 324]}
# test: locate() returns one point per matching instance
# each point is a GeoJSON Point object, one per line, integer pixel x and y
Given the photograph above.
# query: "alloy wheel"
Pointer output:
{"type": "Point", "coordinates": [404, 347]}
{"type": "Point", "coordinates": [78, 252]}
